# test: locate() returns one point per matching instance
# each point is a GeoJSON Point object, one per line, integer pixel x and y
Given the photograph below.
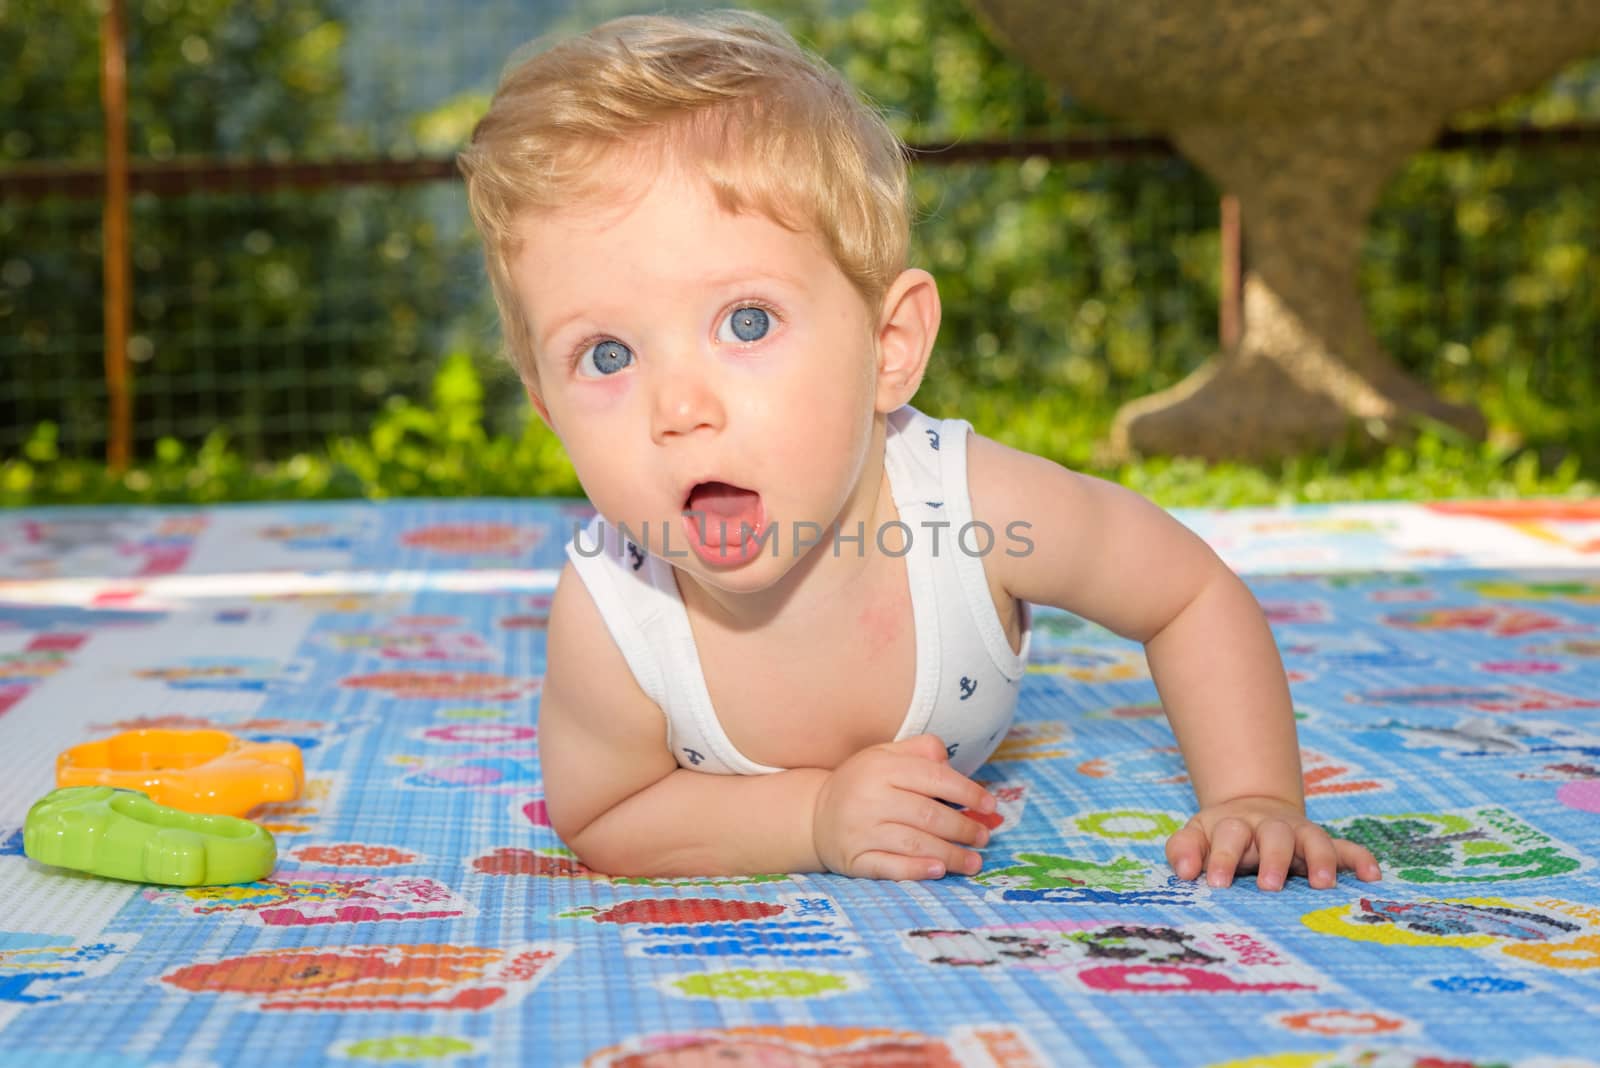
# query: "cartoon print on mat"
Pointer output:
{"type": "Point", "coordinates": [126, 545]}
{"type": "Point", "coordinates": [985, 1046]}
{"type": "Point", "coordinates": [1390, 1057]}
{"type": "Point", "coordinates": [1156, 763]}
{"type": "Point", "coordinates": [474, 539]}
{"type": "Point", "coordinates": [354, 855]}
{"type": "Point", "coordinates": [1494, 620]}
{"type": "Point", "coordinates": [313, 536]}
{"type": "Point", "coordinates": [316, 806]}
{"type": "Point", "coordinates": [1124, 825]}
{"type": "Point", "coordinates": [444, 685]}
{"type": "Point", "coordinates": [1037, 740]}
{"type": "Point", "coordinates": [475, 734]}
{"type": "Point", "coordinates": [1324, 775]}
{"type": "Point", "coordinates": [1291, 613]}
{"type": "Point", "coordinates": [410, 1049]}
{"type": "Point", "coordinates": [1485, 697]}
{"type": "Point", "coordinates": [311, 898]}
{"type": "Point", "coordinates": [1482, 845]}
{"type": "Point", "coordinates": [533, 810]}
{"type": "Point", "coordinates": [1151, 710]}
{"type": "Point", "coordinates": [1064, 880]}
{"type": "Point", "coordinates": [40, 968]}
{"type": "Point", "coordinates": [341, 601]}
{"type": "Point", "coordinates": [1484, 736]}
{"type": "Point", "coordinates": [561, 864]}
{"type": "Point", "coordinates": [1337, 1023]}
{"type": "Point", "coordinates": [231, 674]}
{"type": "Point", "coordinates": [1573, 591]}
{"type": "Point", "coordinates": [544, 863]}
{"type": "Point", "coordinates": [791, 928]}
{"type": "Point", "coordinates": [1010, 801]}
{"type": "Point", "coordinates": [1582, 794]}
{"type": "Point", "coordinates": [406, 644]}
{"type": "Point", "coordinates": [1524, 666]}
{"type": "Point", "coordinates": [1084, 663]}
{"type": "Point", "coordinates": [1581, 648]}
{"type": "Point", "coordinates": [1476, 985]}
{"type": "Point", "coordinates": [1128, 958]}
{"type": "Point", "coordinates": [306, 733]}
{"type": "Point", "coordinates": [1548, 932]}
{"type": "Point", "coordinates": [1345, 651]}
{"type": "Point", "coordinates": [763, 984]}
{"type": "Point", "coordinates": [495, 771]}
{"type": "Point", "coordinates": [21, 672]}
{"type": "Point", "coordinates": [381, 978]}
{"type": "Point", "coordinates": [62, 620]}
{"type": "Point", "coordinates": [535, 617]}
{"type": "Point", "coordinates": [1573, 524]}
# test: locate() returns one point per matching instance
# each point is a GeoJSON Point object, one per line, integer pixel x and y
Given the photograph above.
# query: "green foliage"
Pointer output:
{"type": "Point", "coordinates": [441, 449]}
{"type": "Point", "coordinates": [1068, 289]}
{"type": "Point", "coordinates": [272, 314]}
{"type": "Point", "coordinates": [411, 450]}
{"type": "Point", "coordinates": [1092, 279]}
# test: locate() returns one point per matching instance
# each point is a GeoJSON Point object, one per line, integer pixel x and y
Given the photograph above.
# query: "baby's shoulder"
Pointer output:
{"type": "Point", "coordinates": [580, 650]}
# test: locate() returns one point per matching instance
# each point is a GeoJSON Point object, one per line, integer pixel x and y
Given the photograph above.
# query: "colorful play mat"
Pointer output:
{"type": "Point", "coordinates": [1446, 671]}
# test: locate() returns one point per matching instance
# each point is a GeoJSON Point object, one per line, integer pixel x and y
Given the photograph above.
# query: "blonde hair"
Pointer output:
{"type": "Point", "coordinates": [769, 125]}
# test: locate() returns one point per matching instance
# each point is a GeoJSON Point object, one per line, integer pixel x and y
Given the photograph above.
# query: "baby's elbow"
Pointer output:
{"type": "Point", "coordinates": [625, 860]}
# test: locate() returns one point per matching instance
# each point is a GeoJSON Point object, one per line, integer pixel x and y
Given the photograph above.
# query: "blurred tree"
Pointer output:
{"type": "Point", "coordinates": [1305, 115]}
{"type": "Point", "coordinates": [278, 315]}
{"type": "Point", "coordinates": [1091, 279]}
{"type": "Point", "coordinates": [1092, 282]}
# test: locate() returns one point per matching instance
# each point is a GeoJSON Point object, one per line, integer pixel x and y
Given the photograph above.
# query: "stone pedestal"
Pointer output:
{"type": "Point", "coordinates": [1303, 112]}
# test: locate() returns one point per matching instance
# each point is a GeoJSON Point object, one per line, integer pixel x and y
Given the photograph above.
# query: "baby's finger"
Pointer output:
{"type": "Point", "coordinates": [1358, 859]}
{"type": "Point", "coordinates": [1186, 851]}
{"type": "Point", "coordinates": [945, 783]}
{"type": "Point", "coordinates": [877, 864]}
{"type": "Point", "coordinates": [1229, 840]}
{"type": "Point", "coordinates": [913, 841]}
{"type": "Point", "coordinates": [1275, 849]}
{"type": "Point", "coordinates": [937, 818]}
{"type": "Point", "coordinates": [1322, 862]}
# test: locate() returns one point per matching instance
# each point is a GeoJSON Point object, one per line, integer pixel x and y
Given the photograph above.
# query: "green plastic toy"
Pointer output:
{"type": "Point", "coordinates": [122, 834]}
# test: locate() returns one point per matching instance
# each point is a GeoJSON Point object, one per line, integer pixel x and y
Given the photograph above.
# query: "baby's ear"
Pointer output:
{"type": "Point", "coordinates": [907, 326]}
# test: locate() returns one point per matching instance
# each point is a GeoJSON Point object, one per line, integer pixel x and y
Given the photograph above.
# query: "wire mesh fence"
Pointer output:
{"type": "Point", "coordinates": [283, 309]}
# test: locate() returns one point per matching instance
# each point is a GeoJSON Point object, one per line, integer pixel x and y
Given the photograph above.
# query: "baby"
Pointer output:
{"type": "Point", "coordinates": [799, 621]}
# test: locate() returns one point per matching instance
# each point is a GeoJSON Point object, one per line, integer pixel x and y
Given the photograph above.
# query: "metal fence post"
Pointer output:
{"type": "Point", "coordinates": [1230, 312]}
{"type": "Point", "coordinates": [116, 270]}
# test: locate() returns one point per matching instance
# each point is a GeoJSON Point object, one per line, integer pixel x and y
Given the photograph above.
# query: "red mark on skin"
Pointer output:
{"type": "Point", "coordinates": [883, 620]}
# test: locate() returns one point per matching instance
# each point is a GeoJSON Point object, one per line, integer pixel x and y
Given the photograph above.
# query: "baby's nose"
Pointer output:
{"type": "Point", "coordinates": [685, 403]}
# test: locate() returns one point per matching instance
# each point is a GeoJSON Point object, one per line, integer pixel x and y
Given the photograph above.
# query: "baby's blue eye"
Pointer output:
{"type": "Point", "coordinates": [608, 357]}
{"type": "Point", "coordinates": [748, 323]}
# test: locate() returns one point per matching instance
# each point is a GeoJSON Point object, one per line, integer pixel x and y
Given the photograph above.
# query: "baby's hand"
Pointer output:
{"type": "Point", "coordinates": [1268, 836]}
{"type": "Point", "coordinates": [879, 814]}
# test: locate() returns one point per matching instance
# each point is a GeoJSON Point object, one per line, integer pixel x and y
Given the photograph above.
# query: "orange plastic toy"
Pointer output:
{"type": "Point", "coordinates": [205, 771]}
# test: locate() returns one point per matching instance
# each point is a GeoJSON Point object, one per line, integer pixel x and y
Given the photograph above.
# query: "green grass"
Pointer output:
{"type": "Point", "coordinates": [442, 449]}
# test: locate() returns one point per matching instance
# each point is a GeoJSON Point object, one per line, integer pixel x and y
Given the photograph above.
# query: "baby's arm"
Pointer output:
{"type": "Point", "coordinates": [619, 800]}
{"type": "Point", "coordinates": [1105, 553]}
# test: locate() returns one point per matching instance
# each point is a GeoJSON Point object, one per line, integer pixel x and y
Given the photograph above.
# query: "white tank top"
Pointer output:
{"type": "Point", "coordinates": [967, 677]}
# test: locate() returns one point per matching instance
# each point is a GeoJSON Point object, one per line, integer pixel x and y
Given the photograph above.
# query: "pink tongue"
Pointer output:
{"type": "Point", "coordinates": [726, 513]}
{"type": "Point", "coordinates": [724, 501]}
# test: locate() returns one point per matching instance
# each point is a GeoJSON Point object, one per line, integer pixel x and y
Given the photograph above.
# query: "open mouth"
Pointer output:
{"type": "Point", "coordinates": [721, 520]}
